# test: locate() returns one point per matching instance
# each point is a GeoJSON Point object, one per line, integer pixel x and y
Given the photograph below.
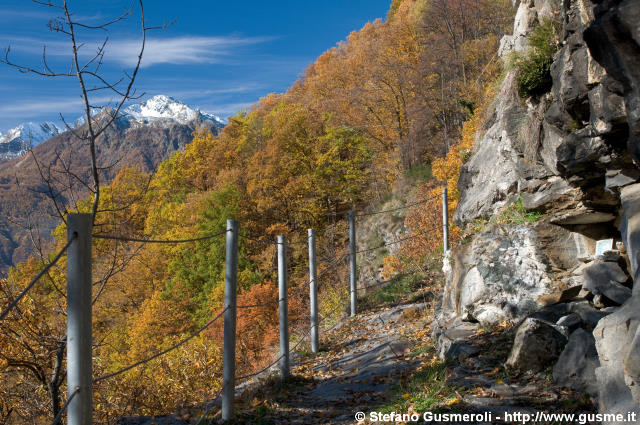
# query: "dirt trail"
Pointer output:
{"type": "Point", "coordinates": [371, 362]}
{"type": "Point", "coordinates": [385, 360]}
{"type": "Point", "coordinates": [360, 362]}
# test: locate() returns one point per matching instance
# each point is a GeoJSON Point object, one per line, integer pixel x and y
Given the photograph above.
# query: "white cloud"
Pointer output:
{"type": "Point", "coordinates": [189, 94]}
{"type": "Point", "coordinates": [12, 14]}
{"type": "Point", "coordinates": [46, 106]}
{"type": "Point", "coordinates": [179, 50]}
{"type": "Point", "coordinates": [175, 50]}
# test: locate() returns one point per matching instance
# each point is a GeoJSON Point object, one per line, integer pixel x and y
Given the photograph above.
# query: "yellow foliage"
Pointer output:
{"type": "Point", "coordinates": [391, 265]}
{"type": "Point", "coordinates": [446, 171]}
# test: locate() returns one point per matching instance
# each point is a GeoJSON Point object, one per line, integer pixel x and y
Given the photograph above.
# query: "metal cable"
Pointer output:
{"type": "Point", "coordinates": [291, 243]}
{"type": "Point", "coordinates": [161, 353]}
{"type": "Point", "coordinates": [290, 350]}
{"type": "Point", "coordinates": [329, 267]}
{"type": "Point", "coordinates": [275, 242]}
{"type": "Point", "coordinates": [274, 362]}
{"type": "Point", "coordinates": [15, 302]}
{"type": "Point", "coordinates": [56, 420]}
{"type": "Point", "coordinates": [396, 209]}
{"type": "Point", "coordinates": [127, 239]}
{"type": "Point", "coordinates": [268, 303]}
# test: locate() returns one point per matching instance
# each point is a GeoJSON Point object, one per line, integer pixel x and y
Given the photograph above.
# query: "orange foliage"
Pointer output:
{"type": "Point", "coordinates": [446, 171]}
{"type": "Point", "coordinates": [257, 328]}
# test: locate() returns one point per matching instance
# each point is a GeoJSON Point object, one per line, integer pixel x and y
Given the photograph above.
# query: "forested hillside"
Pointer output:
{"type": "Point", "coordinates": [391, 98]}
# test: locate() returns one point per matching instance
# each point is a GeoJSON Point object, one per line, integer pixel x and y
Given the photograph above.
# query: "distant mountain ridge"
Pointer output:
{"type": "Point", "coordinates": [16, 142]}
{"type": "Point", "coordinates": [159, 110]}
{"type": "Point", "coordinates": [143, 136]}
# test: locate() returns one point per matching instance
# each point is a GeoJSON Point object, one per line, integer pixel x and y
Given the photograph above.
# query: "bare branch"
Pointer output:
{"type": "Point", "coordinates": [104, 26]}
{"type": "Point", "coordinates": [47, 3]}
{"type": "Point", "coordinates": [99, 54]}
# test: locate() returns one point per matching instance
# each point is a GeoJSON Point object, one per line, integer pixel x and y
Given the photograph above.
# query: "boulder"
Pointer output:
{"type": "Point", "coordinates": [454, 336]}
{"type": "Point", "coordinates": [617, 293]}
{"type": "Point", "coordinates": [616, 179]}
{"type": "Point", "coordinates": [631, 366]}
{"type": "Point", "coordinates": [560, 296]}
{"type": "Point", "coordinates": [570, 321]}
{"type": "Point", "coordinates": [617, 376]}
{"type": "Point", "coordinates": [606, 278]}
{"type": "Point", "coordinates": [611, 255]}
{"type": "Point", "coordinates": [537, 345]}
{"type": "Point", "coordinates": [589, 315]}
{"type": "Point", "coordinates": [600, 301]}
{"type": "Point", "coordinates": [461, 351]}
{"type": "Point", "coordinates": [630, 226]}
{"type": "Point", "coordinates": [552, 313]}
{"type": "Point", "coordinates": [577, 364]}
{"type": "Point", "coordinates": [497, 277]}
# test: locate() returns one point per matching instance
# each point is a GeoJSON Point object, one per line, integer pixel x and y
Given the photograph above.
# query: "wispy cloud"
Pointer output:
{"type": "Point", "coordinates": [11, 14]}
{"type": "Point", "coordinates": [44, 13]}
{"type": "Point", "coordinates": [174, 50]}
{"type": "Point", "coordinates": [44, 106]}
{"type": "Point", "coordinates": [187, 94]}
{"type": "Point", "coordinates": [181, 50]}
{"type": "Point", "coordinates": [227, 109]}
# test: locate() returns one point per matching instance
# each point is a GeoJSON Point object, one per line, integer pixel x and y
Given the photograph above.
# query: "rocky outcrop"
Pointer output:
{"type": "Point", "coordinates": [497, 277]}
{"type": "Point", "coordinates": [570, 154]}
{"type": "Point", "coordinates": [552, 151]}
{"type": "Point", "coordinates": [607, 279]}
{"type": "Point", "coordinates": [614, 41]}
{"type": "Point", "coordinates": [508, 272]}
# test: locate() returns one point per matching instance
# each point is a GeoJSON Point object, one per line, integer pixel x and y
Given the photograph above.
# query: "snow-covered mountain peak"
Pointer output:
{"type": "Point", "coordinates": [161, 107]}
{"type": "Point", "coordinates": [31, 132]}
{"type": "Point", "coordinates": [17, 141]}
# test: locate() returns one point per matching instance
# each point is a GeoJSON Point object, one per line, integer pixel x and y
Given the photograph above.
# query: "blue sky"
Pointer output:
{"type": "Point", "coordinates": [219, 56]}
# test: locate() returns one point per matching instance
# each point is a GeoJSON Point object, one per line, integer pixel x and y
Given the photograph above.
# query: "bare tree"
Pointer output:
{"type": "Point", "coordinates": [90, 79]}
{"type": "Point", "coordinates": [42, 357]}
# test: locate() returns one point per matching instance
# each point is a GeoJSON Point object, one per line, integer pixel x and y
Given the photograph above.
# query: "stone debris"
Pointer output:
{"type": "Point", "coordinates": [536, 345]}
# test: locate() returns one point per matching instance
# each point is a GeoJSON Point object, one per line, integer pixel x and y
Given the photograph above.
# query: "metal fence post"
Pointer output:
{"type": "Point", "coordinates": [79, 285]}
{"type": "Point", "coordinates": [445, 220]}
{"type": "Point", "coordinates": [229, 349]}
{"type": "Point", "coordinates": [283, 306]}
{"type": "Point", "coordinates": [313, 290]}
{"type": "Point", "coordinates": [352, 261]}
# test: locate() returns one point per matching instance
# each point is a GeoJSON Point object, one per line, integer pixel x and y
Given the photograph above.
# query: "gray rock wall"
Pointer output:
{"type": "Point", "coordinates": [572, 154]}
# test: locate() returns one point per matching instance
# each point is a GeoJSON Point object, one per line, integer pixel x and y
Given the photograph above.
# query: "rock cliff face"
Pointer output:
{"type": "Point", "coordinates": [569, 154]}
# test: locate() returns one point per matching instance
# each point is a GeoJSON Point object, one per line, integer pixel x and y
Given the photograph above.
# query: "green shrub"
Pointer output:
{"type": "Point", "coordinates": [420, 172]}
{"type": "Point", "coordinates": [534, 76]}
